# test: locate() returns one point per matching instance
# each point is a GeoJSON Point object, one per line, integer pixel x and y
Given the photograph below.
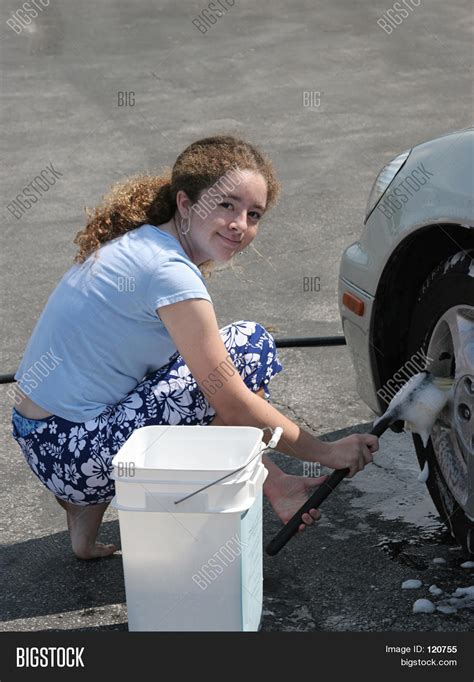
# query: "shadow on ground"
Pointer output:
{"type": "Point", "coordinates": [42, 576]}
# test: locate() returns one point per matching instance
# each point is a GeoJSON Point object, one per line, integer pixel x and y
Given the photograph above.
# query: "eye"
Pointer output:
{"type": "Point", "coordinates": [256, 215]}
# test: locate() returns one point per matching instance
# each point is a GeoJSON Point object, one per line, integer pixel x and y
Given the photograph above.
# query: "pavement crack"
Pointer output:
{"type": "Point", "coordinates": [379, 466]}
{"type": "Point", "coordinates": [296, 415]}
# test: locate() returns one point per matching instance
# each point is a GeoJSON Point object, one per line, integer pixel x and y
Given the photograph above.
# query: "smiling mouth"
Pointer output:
{"type": "Point", "coordinates": [229, 241]}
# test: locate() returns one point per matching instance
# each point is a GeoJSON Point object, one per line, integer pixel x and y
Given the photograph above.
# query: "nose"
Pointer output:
{"type": "Point", "coordinates": [240, 222]}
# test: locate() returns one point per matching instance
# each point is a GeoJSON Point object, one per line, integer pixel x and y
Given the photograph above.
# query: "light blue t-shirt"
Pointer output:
{"type": "Point", "coordinates": [99, 334]}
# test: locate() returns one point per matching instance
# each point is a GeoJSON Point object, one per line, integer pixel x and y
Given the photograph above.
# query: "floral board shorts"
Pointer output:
{"type": "Point", "coordinates": [74, 460]}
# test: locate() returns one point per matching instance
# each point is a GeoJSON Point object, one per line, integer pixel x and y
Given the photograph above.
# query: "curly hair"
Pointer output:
{"type": "Point", "coordinates": [151, 199]}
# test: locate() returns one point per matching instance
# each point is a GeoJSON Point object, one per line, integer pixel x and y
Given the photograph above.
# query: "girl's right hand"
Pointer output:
{"type": "Point", "coordinates": [352, 452]}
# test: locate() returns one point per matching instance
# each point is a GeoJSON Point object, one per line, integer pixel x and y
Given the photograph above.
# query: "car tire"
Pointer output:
{"type": "Point", "coordinates": [448, 288]}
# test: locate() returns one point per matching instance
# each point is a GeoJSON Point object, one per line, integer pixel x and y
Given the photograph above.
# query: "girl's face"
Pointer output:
{"type": "Point", "coordinates": [221, 232]}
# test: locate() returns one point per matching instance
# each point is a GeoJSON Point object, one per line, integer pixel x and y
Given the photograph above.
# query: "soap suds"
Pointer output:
{"type": "Point", "coordinates": [453, 260]}
{"type": "Point", "coordinates": [423, 606]}
{"type": "Point", "coordinates": [454, 601]}
{"type": "Point", "coordinates": [418, 403]}
{"type": "Point", "coordinates": [411, 584]}
{"type": "Point", "coordinates": [462, 591]}
{"type": "Point", "coordinates": [446, 609]}
{"type": "Point", "coordinates": [434, 589]}
{"type": "Point", "coordinates": [461, 598]}
{"type": "Point", "coordinates": [423, 475]}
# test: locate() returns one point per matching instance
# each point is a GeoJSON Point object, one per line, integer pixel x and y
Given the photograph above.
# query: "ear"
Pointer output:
{"type": "Point", "coordinates": [183, 203]}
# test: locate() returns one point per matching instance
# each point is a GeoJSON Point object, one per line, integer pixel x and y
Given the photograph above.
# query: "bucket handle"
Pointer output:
{"type": "Point", "coordinates": [276, 433]}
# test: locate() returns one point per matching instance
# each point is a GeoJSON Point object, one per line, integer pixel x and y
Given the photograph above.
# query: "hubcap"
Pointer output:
{"type": "Point", "coordinates": [451, 354]}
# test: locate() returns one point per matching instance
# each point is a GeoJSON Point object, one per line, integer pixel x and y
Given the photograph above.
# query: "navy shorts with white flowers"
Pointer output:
{"type": "Point", "coordinates": [74, 460]}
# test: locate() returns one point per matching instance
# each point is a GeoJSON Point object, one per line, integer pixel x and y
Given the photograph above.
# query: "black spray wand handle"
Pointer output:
{"type": "Point", "coordinates": [315, 500]}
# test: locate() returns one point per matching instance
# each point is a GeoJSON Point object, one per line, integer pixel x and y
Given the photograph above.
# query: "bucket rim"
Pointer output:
{"type": "Point", "coordinates": [121, 456]}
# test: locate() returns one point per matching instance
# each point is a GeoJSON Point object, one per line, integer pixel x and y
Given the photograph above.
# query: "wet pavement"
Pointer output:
{"type": "Point", "coordinates": [378, 95]}
{"type": "Point", "coordinates": [377, 530]}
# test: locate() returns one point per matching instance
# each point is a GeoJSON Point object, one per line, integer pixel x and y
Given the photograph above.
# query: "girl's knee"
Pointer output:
{"type": "Point", "coordinates": [250, 328]}
{"type": "Point", "coordinates": [260, 332]}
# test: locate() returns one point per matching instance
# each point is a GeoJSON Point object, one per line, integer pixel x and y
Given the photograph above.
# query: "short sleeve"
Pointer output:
{"type": "Point", "coordinates": [174, 279]}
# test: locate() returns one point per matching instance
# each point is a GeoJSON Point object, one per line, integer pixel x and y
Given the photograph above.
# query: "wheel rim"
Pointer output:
{"type": "Point", "coordinates": [451, 354]}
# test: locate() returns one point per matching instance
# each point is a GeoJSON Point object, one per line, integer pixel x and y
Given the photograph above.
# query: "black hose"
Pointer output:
{"type": "Point", "coordinates": [311, 341]}
{"type": "Point", "coordinates": [304, 341]}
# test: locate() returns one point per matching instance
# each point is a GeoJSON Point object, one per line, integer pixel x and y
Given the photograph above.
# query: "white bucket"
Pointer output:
{"type": "Point", "coordinates": [195, 565]}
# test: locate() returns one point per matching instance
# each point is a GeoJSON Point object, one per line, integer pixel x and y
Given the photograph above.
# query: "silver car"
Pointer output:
{"type": "Point", "coordinates": [406, 299]}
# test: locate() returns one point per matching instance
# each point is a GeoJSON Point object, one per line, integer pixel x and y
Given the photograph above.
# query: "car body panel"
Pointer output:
{"type": "Point", "coordinates": [445, 200]}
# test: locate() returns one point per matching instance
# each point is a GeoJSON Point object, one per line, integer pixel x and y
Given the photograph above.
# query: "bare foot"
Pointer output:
{"type": "Point", "coordinates": [83, 523]}
{"type": "Point", "coordinates": [288, 493]}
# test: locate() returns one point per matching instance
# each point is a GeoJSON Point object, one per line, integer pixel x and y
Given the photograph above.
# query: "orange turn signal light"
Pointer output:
{"type": "Point", "coordinates": [353, 303]}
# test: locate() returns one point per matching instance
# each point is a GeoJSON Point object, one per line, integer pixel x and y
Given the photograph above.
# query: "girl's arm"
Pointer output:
{"type": "Point", "coordinates": [193, 326]}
